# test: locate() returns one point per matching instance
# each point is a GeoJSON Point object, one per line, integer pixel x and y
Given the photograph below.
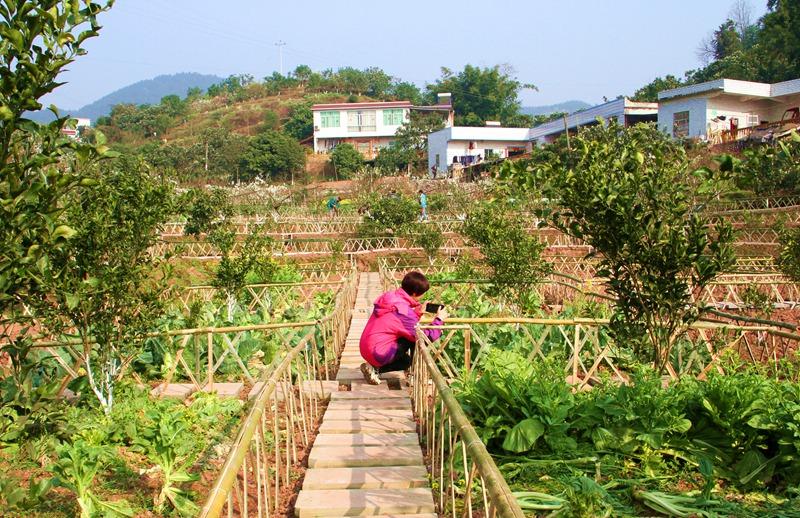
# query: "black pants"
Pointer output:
{"type": "Point", "coordinates": [402, 358]}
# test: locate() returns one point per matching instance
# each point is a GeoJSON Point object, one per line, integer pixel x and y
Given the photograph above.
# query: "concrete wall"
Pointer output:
{"type": "Point", "coordinates": [776, 111]}
{"type": "Point", "coordinates": [437, 147]}
{"type": "Point", "coordinates": [697, 115]}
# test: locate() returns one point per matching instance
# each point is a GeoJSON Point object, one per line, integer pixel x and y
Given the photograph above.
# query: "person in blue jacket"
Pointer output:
{"type": "Point", "coordinates": [423, 206]}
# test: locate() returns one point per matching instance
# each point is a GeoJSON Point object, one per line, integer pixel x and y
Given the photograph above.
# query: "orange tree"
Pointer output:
{"type": "Point", "coordinates": [629, 193]}
{"type": "Point", "coordinates": [38, 167]}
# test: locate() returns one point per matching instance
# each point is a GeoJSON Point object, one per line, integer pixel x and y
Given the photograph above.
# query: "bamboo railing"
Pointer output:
{"type": "Point", "coordinates": [466, 480]}
{"type": "Point", "coordinates": [303, 228]}
{"type": "Point", "coordinates": [198, 354]}
{"type": "Point", "coordinates": [290, 247]}
{"type": "Point", "coordinates": [272, 440]}
{"type": "Point", "coordinates": [756, 203]}
{"type": "Point", "coordinates": [727, 291]}
{"type": "Point", "coordinates": [267, 297]}
{"type": "Point", "coordinates": [587, 345]}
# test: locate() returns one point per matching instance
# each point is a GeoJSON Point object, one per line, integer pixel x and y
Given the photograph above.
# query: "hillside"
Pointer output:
{"type": "Point", "coordinates": [567, 106]}
{"type": "Point", "coordinates": [245, 116]}
{"type": "Point", "coordinates": [149, 91]}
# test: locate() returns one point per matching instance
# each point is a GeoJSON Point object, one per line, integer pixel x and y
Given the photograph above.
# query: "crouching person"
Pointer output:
{"type": "Point", "coordinates": [387, 343]}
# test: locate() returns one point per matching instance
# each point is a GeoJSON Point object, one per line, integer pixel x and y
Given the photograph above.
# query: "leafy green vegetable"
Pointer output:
{"type": "Point", "coordinates": [77, 465]}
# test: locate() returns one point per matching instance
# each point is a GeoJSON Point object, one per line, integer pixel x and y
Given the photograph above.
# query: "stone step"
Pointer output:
{"type": "Point", "coordinates": [347, 374]}
{"type": "Point", "coordinates": [321, 388]}
{"type": "Point", "coordinates": [397, 426]}
{"type": "Point", "coordinates": [369, 392]}
{"type": "Point", "coordinates": [389, 477]}
{"type": "Point", "coordinates": [391, 414]}
{"type": "Point", "coordinates": [363, 456]}
{"type": "Point", "coordinates": [174, 390]}
{"type": "Point", "coordinates": [375, 404]}
{"type": "Point", "coordinates": [351, 373]}
{"type": "Point", "coordinates": [225, 389]}
{"type": "Point", "coordinates": [361, 384]}
{"type": "Point", "coordinates": [351, 363]}
{"type": "Point", "coordinates": [348, 365]}
{"type": "Point", "coordinates": [363, 502]}
{"type": "Point", "coordinates": [327, 440]}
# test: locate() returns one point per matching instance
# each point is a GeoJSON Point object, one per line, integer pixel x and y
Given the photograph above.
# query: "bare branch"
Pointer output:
{"type": "Point", "coordinates": [706, 51]}
{"type": "Point", "coordinates": [742, 15]}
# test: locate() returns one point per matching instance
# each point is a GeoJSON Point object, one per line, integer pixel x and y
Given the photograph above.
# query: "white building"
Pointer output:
{"type": "Point", "coordinates": [624, 111]}
{"type": "Point", "coordinates": [73, 132]}
{"type": "Point", "coordinates": [713, 109]}
{"type": "Point", "coordinates": [367, 126]}
{"type": "Point", "coordinates": [465, 143]}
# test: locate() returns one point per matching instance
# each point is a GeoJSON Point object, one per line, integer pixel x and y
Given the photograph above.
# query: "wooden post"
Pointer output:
{"type": "Point", "coordinates": [196, 342]}
{"type": "Point", "coordinates": [575, 354]}
{"type": "Point", "coordinates": [210, 361]}
{"type": "Point", "coordinates": [467, 349]}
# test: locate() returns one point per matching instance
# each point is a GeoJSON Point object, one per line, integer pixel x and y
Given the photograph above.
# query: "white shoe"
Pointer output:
{"type": "Point", "coordinates": [370, 374]}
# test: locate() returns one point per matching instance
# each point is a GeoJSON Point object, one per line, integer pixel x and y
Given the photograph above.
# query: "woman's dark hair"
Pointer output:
{"type": "Point", "coordinates": [415, 283]}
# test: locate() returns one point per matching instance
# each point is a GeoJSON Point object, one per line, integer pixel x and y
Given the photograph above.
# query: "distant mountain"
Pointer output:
{"type": "Point", "coordinates": [567, 106]}
{"type": "Point", "coordinates": [149, 91]}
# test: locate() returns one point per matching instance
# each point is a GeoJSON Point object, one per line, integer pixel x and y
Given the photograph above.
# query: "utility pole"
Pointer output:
{"type": "Point", "coordinates": [280, 44]}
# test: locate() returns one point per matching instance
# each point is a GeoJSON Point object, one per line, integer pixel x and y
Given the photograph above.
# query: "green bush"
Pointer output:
{"type": "Point", "coordinates": [789, 259]}
{"type": "Point", "coordinates": [629, 193]}
{"type": "Point", "coordinates": [301, 122]}
{"type": "Point", "coordinates": [389, 216]}
{"type": "Point", "coordinates": [769, 169]}
{"type": "Point", "coordinates": [741, 428]}
{"type": "Point", "coordinates": [347, 160]}
{"type": "Point", "coordinates": [513, 256]}
{"type": "Point", "coordinates": [394, 158]}
{"type": "Point", "coordinates": [429, 238]}
{"type": "Point", "coordinates": [272, 155]}
{"type": "Point", "coordinates": [205, 210]}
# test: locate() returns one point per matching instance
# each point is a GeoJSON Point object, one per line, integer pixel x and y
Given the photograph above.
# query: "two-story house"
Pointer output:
{"type": "Point", "coordinates": [367, 126]}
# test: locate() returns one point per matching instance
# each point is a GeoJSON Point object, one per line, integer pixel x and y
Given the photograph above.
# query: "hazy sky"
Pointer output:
{"type": "Point", "coordinates": [570, 49]}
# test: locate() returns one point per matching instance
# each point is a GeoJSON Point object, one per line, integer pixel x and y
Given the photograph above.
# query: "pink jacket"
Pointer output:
{"type": "Point", "coordinates": [394, 316]}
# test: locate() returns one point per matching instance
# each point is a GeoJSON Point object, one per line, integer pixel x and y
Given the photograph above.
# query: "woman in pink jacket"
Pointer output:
{"type": "Point", "coordinates": [387, 343]}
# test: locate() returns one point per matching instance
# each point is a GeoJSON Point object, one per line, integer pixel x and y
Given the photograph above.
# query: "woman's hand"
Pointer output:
{"type": "Point", "coordinates": [442, 314]}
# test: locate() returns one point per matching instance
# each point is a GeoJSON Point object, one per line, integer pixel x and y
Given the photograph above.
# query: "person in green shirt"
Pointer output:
{"type": "Point", "coordinates": [333, 205]}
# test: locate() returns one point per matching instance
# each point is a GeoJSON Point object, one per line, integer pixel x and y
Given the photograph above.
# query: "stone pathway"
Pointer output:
{"type": "Point", "coordinates": [366, 459]}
